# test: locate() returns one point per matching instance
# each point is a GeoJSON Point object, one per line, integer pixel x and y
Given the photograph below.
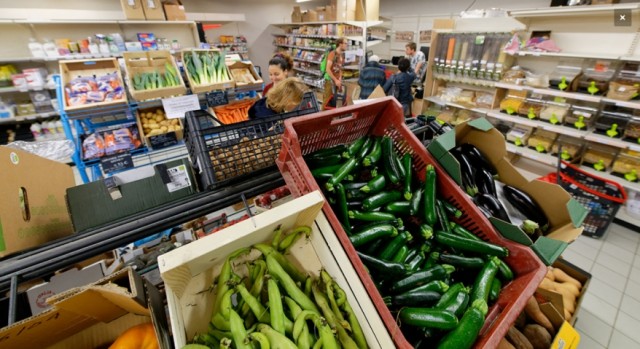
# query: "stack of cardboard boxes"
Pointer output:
{"type": "Point", "coordinates": [339, 10]}
{"type": "Point", "coordinates": [171, 10]}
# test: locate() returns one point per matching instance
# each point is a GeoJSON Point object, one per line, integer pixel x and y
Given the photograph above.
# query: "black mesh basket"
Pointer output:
{"type": "Point", "coordinates": [602, 197]}
{"type": "Point", "coordinates": [222, 154]}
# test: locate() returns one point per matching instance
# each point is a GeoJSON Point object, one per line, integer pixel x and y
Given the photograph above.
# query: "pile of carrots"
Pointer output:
{"type": "Point", "coordinates": [235, 112]}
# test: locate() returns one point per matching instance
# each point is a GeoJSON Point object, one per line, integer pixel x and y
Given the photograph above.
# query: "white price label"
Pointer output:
{"type": "Point", "coordinates": [177, 107]}
{"type": "Point", "coordinates": [179, 178]}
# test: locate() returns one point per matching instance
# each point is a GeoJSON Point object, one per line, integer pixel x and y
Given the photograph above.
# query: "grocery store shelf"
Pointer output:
{"type": "Point", "coordinates": [552, 160]}
{"type": "Point", "coordinates": [538, 124]}
{"type": "Point", "coordinates": [306, 71]}
{"type": "Point", "coordinates": [306, 60]}
{"type": "Point", "coordinates": [465, 80]}
{"type": "Point", "coordinates": [303, 47]}
{"type": "Point", "coordinates": [32, 117]}
{"type": "Point", "coordinates": [573, 10]}
{"type": "Point", "coordinates": [308, 83]}
{"type": "Point", "coordinates": [624, 104]}
{"type": "Point", "coordinates": [595, 55]}
{"type": "Point", "coordinates": [309, 36]}
{"type": "Point", "coordinates": [441, 102]}
{"type": "Point", "coordinates": [60, 253]}
{"type": "Point", "coordinates": [354, 23]}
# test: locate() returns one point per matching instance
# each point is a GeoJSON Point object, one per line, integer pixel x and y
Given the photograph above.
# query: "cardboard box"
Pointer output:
{"type": "Point", "coordinates": [200, 88]}
{"type": "Point", "coordinates": [137, 63]}
{"type": "Point", "coordinates": [566, 336]}
{"type": "Point", "coordinates": [556, 298]}
{"type": "Point", "coordinates": [310, 16]}
{"type": "Point", "coordinates": [163, 140]}
{"type": "Point", "coordinates": [153, 10]}
{"type": "Point", "coordinates": [133, 9]}
{"type": "Point", "coordinates": [31, 213]}
{"type": "Point", "coordinates": [240, 83]}
{"type": "Point", "coordinates": [296, 15]}
{"type": "Point", "coordinates": [565, 214]}
{"type": "Point", "coordinates": [367, 10]}
{"type": "Point", "coordinates": [193, 267]}
{"type": "Point", "coordinates": [346, 10]}
{"type": "Point", "coordinates": [94, 68]}
{"type": "Point", "coordinates": [127, 193]}
{"type": "Point", "coordinates": [174, 10]}
{"type": "Point", "coordinates": [91, 316]}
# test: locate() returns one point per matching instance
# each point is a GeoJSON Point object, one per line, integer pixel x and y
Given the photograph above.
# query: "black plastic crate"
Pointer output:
{"type": "Point", "coordinates": [222, 154]}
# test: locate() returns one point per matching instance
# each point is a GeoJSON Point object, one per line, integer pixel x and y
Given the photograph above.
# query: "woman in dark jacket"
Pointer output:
{"type": "Point", "coordinates": [402, 80]}
{"type": "Point", "coordinates": [371, 76]}
{"type": "Point", "coordinates": [284, 97]}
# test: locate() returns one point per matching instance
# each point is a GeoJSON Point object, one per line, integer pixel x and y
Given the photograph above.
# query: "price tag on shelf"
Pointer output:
{"type": "Point", "coordinates": [115, 163]}
{"type": "Point", "coordinates": [177, 107]}
{"type": "Point", "coordinates": [216, 98]}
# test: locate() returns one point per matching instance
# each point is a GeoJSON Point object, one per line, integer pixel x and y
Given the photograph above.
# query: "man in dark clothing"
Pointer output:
{"type": "Point", "coordinates": [402, 80]}
{"type": "Point", "coordinates": [371, 76]}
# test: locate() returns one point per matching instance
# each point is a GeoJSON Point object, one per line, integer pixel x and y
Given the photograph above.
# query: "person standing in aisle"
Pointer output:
{"type": "Point", "coordinates": [371, 76]}
{"type": "Point", "coordinates": [418, 61]}
{"type": "Point", "coordinates": [399, 85]}
{"type": "Point", "coordinates": [279, 67]}
{"type": "Point", "coordinates": [333, 76]}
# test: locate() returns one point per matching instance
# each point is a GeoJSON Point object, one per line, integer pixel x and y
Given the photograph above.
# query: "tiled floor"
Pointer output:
{"type": "Point", "coordinates": [610, 312]}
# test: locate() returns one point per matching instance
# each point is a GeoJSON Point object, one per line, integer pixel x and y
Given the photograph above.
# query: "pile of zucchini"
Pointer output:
{"type": "Point", "coordinates": [478, 180]}
{"type": "Point", "coordinates": [436, 277]}
{"type": "Point", "coordinates": [276, 305]}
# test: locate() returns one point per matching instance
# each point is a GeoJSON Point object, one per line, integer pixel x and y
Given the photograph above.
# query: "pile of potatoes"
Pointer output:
{"type": "Point", "coordinates": [155, 122]}
{"type": "Point", "coordinates": [250, 154]}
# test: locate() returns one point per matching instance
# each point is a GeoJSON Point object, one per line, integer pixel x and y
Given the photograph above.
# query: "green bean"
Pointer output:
{"type": "Point", "coordinates": [307, 286]}
{"type": "Point", "coordinates": [276, 339]}
{"type": "Point", "coordinates": [256, 287]}
{"type": "Point", "coordinates": [328, 281]}
{"type": "Point", "coordinates": [238, 332]}
{"type": "Point", "coordinates": [356, 329]}
{"type": "Point", "coordinates": [219, 322]}
{"type": "Point", "coordinates": [276, 310]}
{"type": "Point", "coordinates": [226, 305]}
{"type": "Point", "coordinates": [217, 334]}
{"type": "Point", "coordinates": [346, 341]}
{"type": "Point", "coordinates": [289, 285]}
{"type": "Point", "coordinates": [293, 236]}
{"type": "Point", "coordinates": [292, 270]}
{"type": "Point", "coordinates": [326, 333]}
{"type": "Point", "coordinates": [259, 338]}
{"type": "Point", "coordinates": [276, 237]}
{"type": "Point", "coordinates": [306, 341]}
{"type": "Point", "coordinates": [206, 339]}
{"type": "Point", "coordinates": [225, 343]}
{"type": "Point", "coordinates": [225, 275]}
{"type": "Point", "coordinates": [261, 313]}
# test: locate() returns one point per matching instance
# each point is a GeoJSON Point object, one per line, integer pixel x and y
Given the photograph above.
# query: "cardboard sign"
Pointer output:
{"type": "Point", "coordinates": [177, 107]}
{"type": "Point", "coordinates": [216, 98]}
{"type": "Point", "coordinates": [116, 162]}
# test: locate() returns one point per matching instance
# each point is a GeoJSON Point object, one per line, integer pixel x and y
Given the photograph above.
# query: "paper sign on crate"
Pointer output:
{"type": "Point", "coordinates": [177, 107]}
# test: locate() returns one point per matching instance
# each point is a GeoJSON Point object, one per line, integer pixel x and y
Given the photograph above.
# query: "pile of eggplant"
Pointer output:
{"type": "Point", "coordinates": [478, 178]}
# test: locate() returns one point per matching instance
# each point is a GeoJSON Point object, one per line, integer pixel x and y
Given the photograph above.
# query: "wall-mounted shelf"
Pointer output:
{"type": "Point", "coordinates": [26, 118]}
{"type": "Point", "coordinates": [594, 55]}
{"type": "Point", "coordinates": [303, 47]}
{"type": "Point", "coordinates": [573, 10]}
{"type": "Point", "coordinates": [306, 60]}
{"type": "Point", "coordinates": [308, 71]}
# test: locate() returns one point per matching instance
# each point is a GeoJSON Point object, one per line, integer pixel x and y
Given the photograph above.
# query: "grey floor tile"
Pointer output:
{"type": "Point", "coordinates": [629, 326]}
{"type": "Point", "coordinates": [578, 259]}
{"type": "Point", "coordinates": [618, 252]}
{"type": "Point", "coordinates": [595, 243]}
{"type": "Point", "coordinates": [619, 230]}
{"type": "Point", "coordinates": [600, 308]}
{"type": "Point", "coordinates": [583, 249]}
{"type": "Point", "coordinates": [605, 292]}
{"type": "Point", "coordinates": [613, 263]}
{"type": "Point", "coordinates": [587, 342]}
{"type": "Point", "coordinates": [623, 242]}
{"type": "Point", "coordinates": [633, 289]}
{"type": "Point", "coordinates": [631, 306]}
{"type": "Point", "coordinates": [610, 277]}
{"type": "Point", "coordinates": [620, 341]}
{"type": "Point", "coordinates": [635, 274]}
{"type": "Point", "coordinates": [596, 329]}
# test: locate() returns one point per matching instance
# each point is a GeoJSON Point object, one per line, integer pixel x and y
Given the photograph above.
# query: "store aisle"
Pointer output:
{"type": "Point", "coordinates": [610, 312]}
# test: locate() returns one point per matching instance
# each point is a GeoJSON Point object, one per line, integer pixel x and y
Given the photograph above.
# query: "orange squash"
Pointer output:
{"type": "Point", "coordinates": [141, 336]}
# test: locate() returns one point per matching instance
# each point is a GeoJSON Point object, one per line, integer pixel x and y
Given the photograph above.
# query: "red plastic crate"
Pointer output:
{"type": "Point", "coordinates": [307, 134]}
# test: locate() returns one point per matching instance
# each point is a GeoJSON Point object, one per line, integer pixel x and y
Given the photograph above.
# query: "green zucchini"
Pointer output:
{"type": "Point", "coordinates": [412, 281]}
{"type": "Point", "coordinates": [378, 200]}
{"type": "Point", "coordinates": [470, 245]}
{"type": "Point", "coordinates": [465, 334]}
{"type": "Point", "coordinates": [372, 233]}
{"type": "Point", "coordinates": [426, 317]}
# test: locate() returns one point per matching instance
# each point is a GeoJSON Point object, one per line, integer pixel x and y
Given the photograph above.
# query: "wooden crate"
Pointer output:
{"type": "Point", "coordinates": [252, 70]}
{"type": "Point", "coordinates": [197, 88]}
{"type": "Point", "coordinates": [191, 269]}
{"type": "Point", "coordinates": [148, 140]}
{"type": "Point", "coordinates": [70, 70]}
{"type": "Point", "coordinates": [146, 62]}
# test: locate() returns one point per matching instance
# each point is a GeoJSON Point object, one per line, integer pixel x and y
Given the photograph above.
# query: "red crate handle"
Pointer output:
{"type": "Point", "coordinates": [565, 177]}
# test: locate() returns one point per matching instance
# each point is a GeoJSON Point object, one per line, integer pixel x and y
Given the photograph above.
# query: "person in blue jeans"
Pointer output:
{"type": "Point", "coordinates": [402, 81]}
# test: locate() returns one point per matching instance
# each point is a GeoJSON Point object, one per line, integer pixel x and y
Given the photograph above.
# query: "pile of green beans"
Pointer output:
{"type": "Point", "coordinates": [276, 305]}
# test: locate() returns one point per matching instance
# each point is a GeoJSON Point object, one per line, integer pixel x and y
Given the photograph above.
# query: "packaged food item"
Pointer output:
{"type": "Point", "coordinates": [554, 112]}
{"type": "Point", "coordinates": [542, 140]}
{"type": "Point", "coordinates": [519, 135]}
{"type": "Point", "coordinates": [537, 80]}
{"type": "Point", "coordinates": [580, 117]}
{"type": "Point", "coordinates": [626, 85]}
{"type": "Point", "coordinates": [515, 75]}
{"type": "Point", "coordinates": [599, 156]}
{"type": "Point", "coordinates": [569, 147]}
{"type": "Point", "coordinates": [484, 99]}
{"type": "Point", "coordinates": [93, 147]}
{"type": "Point", "coordinates": [632, 131]}
{"type": "Point", "coordinates": [511, 105]}
{"type": "Point", "coordinates": [612, 123]}
{"type": "Point", "coordinates": [564, 77]}
{"type": "Point", "coordinates": [595, 82]}
{"type": "Point", "coordinates": [531, 108]}
{"type": "Point", "coordinates": [627, 165]}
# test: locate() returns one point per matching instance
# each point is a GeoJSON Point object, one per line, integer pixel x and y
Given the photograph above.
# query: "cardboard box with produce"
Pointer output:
{"type": "Point", "coordinates": [156, 130]}
{"type": "Point", "coordinates": [290, 243]}
{"type": "Point", "coordinates": [245, 75]}
{"type": "Point", "coordinates": [565, 285]}
{"type": "Point", "coordinates": [474, 154]}
{"type": "Point", "coordinates": [95, 315]}
{"type": "Point", "coordinates": [153, 74]}
{"type": "Point", "coordinates": [206, 70]}
{"type": "Point", "coordinates": [92, 83]}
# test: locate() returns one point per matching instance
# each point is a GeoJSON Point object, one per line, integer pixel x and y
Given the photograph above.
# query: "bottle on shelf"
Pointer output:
{"type": "Point", "coordinates": [50, 49]}
{"type": "Point", "coordinates": [175, 45]}
{"type": "Point", "coordinates": [93, 46]}
{"type": "Point", "coordinates": [36, 131]}
{"type": "Point", "coordinates": [103, 46]}
{"type": "Point", "coordinates": [36, 48]}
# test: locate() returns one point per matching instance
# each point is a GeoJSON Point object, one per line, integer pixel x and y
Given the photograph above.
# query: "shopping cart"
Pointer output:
{"type": "Point", "coordinates": [602, 197]}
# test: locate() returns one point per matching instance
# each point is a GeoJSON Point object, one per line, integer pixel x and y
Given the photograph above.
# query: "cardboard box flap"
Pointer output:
{"type": "Point", "coordinates": [93, 304]}
{"type": "Point", "coordinates": [511, 232]}
{"type": "Point", "coordinates": [378, 92]}
{"type": "Point", "coordinates": [445, 143]}
{"type": "Point", "coordinates": [555, 304]}
{"type": "Point", "coordinates": [481, 124]}
{"type": "Point", "coordinates": [157, 312]}
{"type": "Point", "coordinates": [577, 211]}
{"type": "Point", "coordinates": [43, 329]}
{"type": "Point", "coordinates": [552, 313]}
{"type": "Point", "coordinates": [549, 249]}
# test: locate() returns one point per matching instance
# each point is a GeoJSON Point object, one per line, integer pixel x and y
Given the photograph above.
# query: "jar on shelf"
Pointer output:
{"type": "Point", "coordinates": [531, 108]}
{"type": "Point", "coordinates": [570, 148]}
{"type": "Point", "coordinates": [519, 135]}
{"type": "Point", "coordinates": [554, 112]}
{"type": "Point", "coordinates": [595, 82]}
{"type": "Point", "coordinates": [627, 165]}
{"type": "Point", "coordinates": [612, 123]}
{"type": "Point", "coordinates": [580, 117]}
{"type": "Point", "coordinates": [632, 131]}
{"type": "Point", "coordinates": [513, 101]}
{"type": "Point", "coordinates": [626, 85]}
{"type": "Point", "coordinates": [564, 77]}
{"type": "Point", "coordinates": [599, 157]}
{"type": "Point", "coordinates": [542, 140]}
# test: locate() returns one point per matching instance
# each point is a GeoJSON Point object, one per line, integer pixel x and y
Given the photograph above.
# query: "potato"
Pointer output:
{"type": "Point", "coordinates": [175, 122]}
{"type": "Point", "coordinates": [159, 118]}
{"type": "Point", "coordinates": [154, 126]}
{"type": "Point", "coordinates": [164, 129]}
{"type": "Point", "coordinates": [155, 132]}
